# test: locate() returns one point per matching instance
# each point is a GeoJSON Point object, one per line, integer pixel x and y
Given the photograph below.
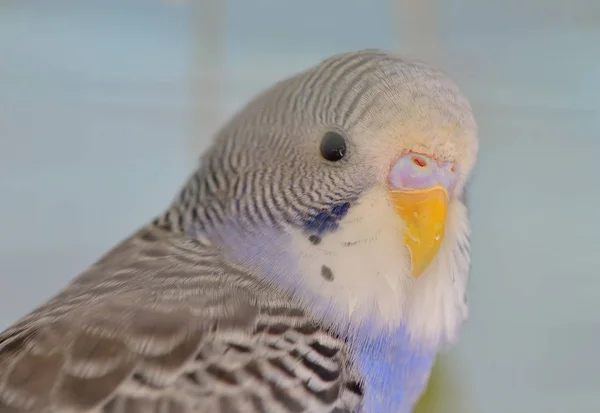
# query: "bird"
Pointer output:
{"type": "Point", "coordinates": [315, 261]}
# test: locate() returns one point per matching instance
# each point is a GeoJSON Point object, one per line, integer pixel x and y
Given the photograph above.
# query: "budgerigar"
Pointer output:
{"type": "Point", "coordinates": [315, 262]}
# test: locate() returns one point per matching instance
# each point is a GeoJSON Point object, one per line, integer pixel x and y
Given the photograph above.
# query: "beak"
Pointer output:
{"type": "Point", "coordinates": [424, 213]}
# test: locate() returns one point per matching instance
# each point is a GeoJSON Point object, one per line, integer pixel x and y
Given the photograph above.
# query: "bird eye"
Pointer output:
{"type": "Point", "coordinates": [333, 146]}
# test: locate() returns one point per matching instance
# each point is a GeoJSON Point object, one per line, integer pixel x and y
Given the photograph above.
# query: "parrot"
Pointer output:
{"type": "Point", "coordinates": [316, 260]}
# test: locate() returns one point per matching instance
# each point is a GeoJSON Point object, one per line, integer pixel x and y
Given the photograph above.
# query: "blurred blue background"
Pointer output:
{"type": "Point", "coordinates": [105, 106]}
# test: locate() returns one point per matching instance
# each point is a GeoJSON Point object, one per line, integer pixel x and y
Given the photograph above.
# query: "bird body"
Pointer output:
{"type": "Point", "coordinates": [315, 262]}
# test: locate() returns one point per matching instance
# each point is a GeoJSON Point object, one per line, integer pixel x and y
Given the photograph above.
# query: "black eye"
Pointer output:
{"type": "Point", "coordinates": [333, 146]}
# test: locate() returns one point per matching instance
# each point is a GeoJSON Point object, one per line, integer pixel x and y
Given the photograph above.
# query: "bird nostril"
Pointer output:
{"type": "Point", "coordinates": [417, 160]}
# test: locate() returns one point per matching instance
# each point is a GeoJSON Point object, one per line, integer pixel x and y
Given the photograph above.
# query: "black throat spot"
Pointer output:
{"type": "Point", "coordinates": [326, 273]}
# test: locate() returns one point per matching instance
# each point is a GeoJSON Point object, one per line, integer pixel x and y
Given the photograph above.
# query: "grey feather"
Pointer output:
{"type": "Point", "coordinates": [171, 320]}
{"type": "Point", "coordinates": [164, 323]}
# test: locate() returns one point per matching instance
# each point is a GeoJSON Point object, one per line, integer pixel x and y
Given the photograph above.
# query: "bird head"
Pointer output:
{"type": "Point", "coordinates": [344, 185]}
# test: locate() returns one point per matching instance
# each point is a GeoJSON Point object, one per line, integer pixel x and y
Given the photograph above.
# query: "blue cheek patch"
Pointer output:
{"type": "Point", "coordinates": [326, 220]}
{"type": "Point", "coordinates": [340, 210]}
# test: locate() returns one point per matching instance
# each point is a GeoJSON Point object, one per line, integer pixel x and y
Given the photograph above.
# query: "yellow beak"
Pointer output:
{"type": "Point", "coordinates": [424, 214]}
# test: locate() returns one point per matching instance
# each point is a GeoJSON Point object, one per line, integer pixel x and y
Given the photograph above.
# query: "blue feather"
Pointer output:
{"type": "Point", "coordinates": [326, 220]}
{"type": "Point", "coordinates": [394, 370]}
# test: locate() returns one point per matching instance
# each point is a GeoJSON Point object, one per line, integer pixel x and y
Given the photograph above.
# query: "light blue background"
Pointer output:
{"type": "Point", "coordinates": [102, 115]}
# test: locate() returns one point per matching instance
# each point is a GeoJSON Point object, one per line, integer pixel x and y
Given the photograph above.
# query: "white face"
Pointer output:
{"type": "Point", "coordinates": [364, 272]}
{"type": "Point", "coordinates": [401, 254]}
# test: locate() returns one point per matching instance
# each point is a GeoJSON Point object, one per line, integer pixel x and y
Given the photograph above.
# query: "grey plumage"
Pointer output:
{"type": "Point", "coordinates": [175, 319]}
{"type": "Point", "coordinates": [195, 333]}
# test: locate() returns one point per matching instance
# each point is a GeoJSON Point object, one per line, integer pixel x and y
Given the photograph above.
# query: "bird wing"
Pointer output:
{"type": "Point", "coordinates": [163, 323]}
